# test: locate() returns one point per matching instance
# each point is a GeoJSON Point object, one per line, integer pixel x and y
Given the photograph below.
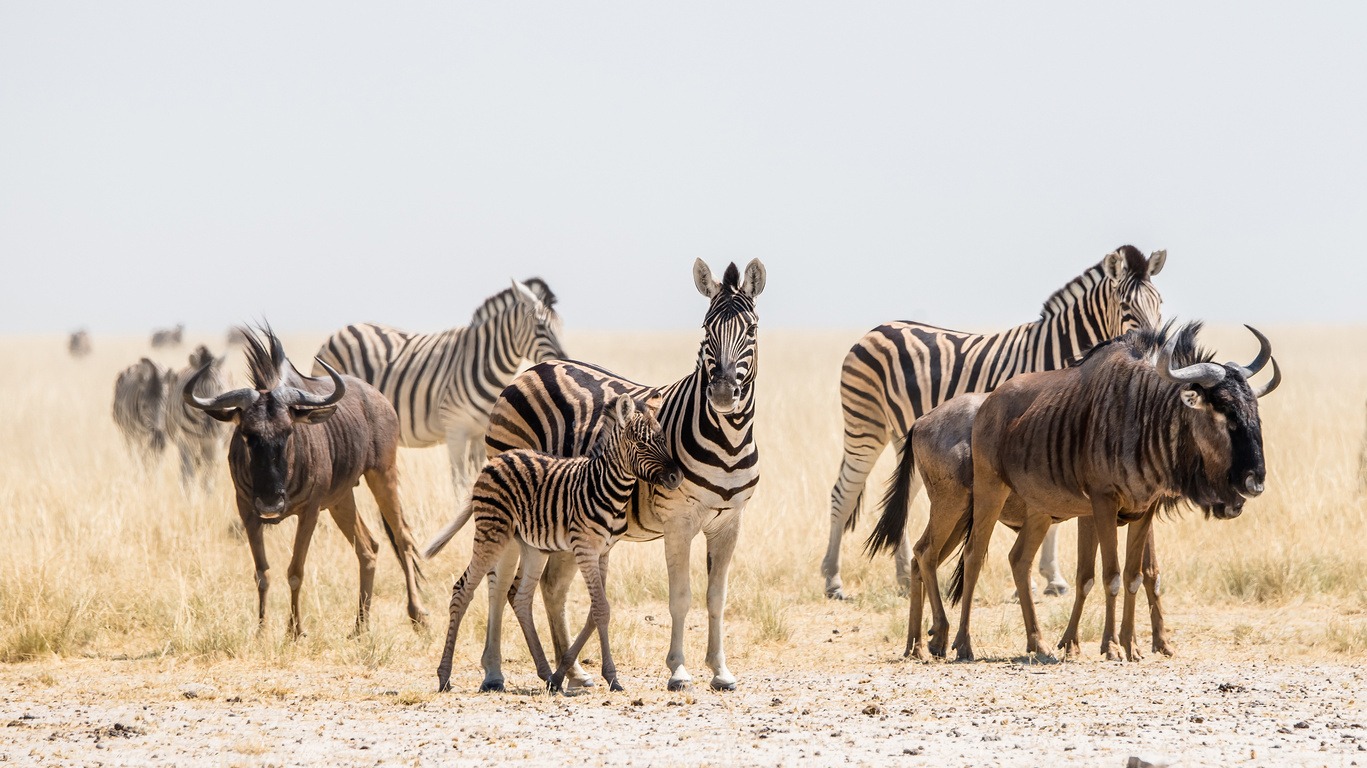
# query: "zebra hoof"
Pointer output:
{"type": "Point", "coordinates": [1056, 590]}
{"type": "Point", "coordinates": [836, 593]}
{"type": "Point", "coordinates": [491, 686]}
{"type": "Point", "coordinates": [678, 685]}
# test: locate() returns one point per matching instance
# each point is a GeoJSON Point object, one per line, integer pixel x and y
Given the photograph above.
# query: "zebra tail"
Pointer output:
{"type": "Point", "coordinates": [887, 534]}
{"type": "Point", "coordinates": [435, 546]}
{"type": "Point", "coordinates": [956, 582]}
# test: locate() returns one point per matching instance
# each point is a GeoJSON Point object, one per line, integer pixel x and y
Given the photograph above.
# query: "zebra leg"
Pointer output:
{"type": "Point", "coordinates": [721, 545]}
{"type": "Point", "coordinates": [678, 538]}
{"type": "Point", "coordinates": [491, 545]}
{"type": "Point", "coordinates": [902, 557]}
{"type": "Point", "coordinates": [593, 566]}
{"type": "Point", "coordinates": [1086, 579]}
{"type": "Point", "coordinates": [187, 466]}
{"type": "Point", "coordinates": [1048, 565]}
{"type": "Point", "coordinates": [555, 589]}
{"type": "Point", "coordinates": [384, 486]}
{"type": "Point", "coordinates": [504, 571]}
{"type": "Point", "coordinates": [303, 535]}
{"type": "Point", "coordinates": [460, 443]}
{"type": "Point", "coordinates": [353, 527]}
{"type": "Point", "coordinates": [533, 563]}
{"type": "Point", "coordinates": [861, 452]}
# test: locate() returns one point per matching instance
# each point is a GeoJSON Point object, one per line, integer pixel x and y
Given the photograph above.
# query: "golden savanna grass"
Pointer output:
{"type": "Point", "coordinates": [100, 558]}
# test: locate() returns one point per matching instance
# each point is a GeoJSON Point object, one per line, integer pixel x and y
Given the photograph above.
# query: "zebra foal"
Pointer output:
{"type": "Point", "coordinates": [552, 504]}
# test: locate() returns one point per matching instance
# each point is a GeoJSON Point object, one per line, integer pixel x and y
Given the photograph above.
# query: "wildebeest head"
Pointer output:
{"type": "Point", "coordinates": [537, 327]}
{"type": "Point", "coordinates": [1225, 428]}
{"type": "Point", "coordinates": [266, 414]}
{"type": "Point", "coordinates": [1131, 275]}
{"type": "Point", "coordinates": [642, 442]}
{"type": "Point", "coordinates": [731, 327]}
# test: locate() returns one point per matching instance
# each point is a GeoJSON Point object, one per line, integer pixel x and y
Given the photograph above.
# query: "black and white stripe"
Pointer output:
{"type": "Point", "coordinates": [140, 408]}
{"type": "Point", "coordinates": [198, 437]}
{"type": "Point", "coordinates": [444, 384]}
{"type": "Point", "coordinates": [901, 370]}
{"type": "Point", "coordinates": [707, 419]}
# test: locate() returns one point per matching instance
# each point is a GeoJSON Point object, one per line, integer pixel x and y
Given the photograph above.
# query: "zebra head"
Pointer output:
{"type": "Point", "coordinates": [1129, 274]}
{"type": "Point", "coordinates": [265, 415]}
{"type": "Point", "coordinates": [643, 444]}
{"type": "Point", "coordinates": [1222, 424]}
{"type": "Point", "coordinates": [730, 327]}
{"type": "Point", "coordinates": [537, 327]}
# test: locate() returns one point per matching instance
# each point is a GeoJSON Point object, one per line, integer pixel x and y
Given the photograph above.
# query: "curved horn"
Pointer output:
{"type": "Point", "coordinates": [1200, 374]}
{"type": "Point", "coordinates": [308, 400]}
{"type": "Point", "coordinates": [1271, 385]}
{"type": "Point", "coordinates": [237, 398]}
{"type": "Point", "coordinates": [1264, 354]}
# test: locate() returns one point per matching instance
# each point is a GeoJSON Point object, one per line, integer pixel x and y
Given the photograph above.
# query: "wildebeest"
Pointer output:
{"type": "Point", "coordinates": [197, 437]}
{"type": "Point", "coordinates": [79, 344]}
{"type": "Point", "coordinates": [301, 445]}
{"type": "Point", "coordinates": [1121, 434]}
{"type": "Point", "coordinates": [168, 337]}
{"type": "Point", "coordinates": [140, 408]}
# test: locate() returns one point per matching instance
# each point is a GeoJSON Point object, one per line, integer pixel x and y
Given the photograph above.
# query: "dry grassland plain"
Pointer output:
{"type": "Point", "coordinates": [128, 633]}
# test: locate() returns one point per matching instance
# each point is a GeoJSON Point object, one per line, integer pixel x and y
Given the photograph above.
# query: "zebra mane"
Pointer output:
{"type": "Point", "coordinates": [504, 300]}
{"type": "Point", "coordinates": [1069, 295]}
{"type": "Point", "coordinates": [265, 357]}
{"type": "Point", "coordinates": [542, 290]}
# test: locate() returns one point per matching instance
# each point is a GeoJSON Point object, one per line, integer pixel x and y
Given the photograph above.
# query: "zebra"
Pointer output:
{"type": "Point", "coordinates": [550, 504]}
{"type": "Point", "coordinates": [140, 409]}
{"type": "Point", "coordinates": [708, 419]}
{"type": "Point", "coordinates": [197, 437]}
{"type": "Point", "coordinates": [899, 371]}
{"type": "Point", "coordinates": [443, 384]}
{"type": "Point", "coordinates": [78, 344]}
{"type": "Point", "coordinates": [168, 337]}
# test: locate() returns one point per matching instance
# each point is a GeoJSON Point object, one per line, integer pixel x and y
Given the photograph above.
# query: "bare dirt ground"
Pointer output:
{"type": "Point", "coordinates": [1004, 712]}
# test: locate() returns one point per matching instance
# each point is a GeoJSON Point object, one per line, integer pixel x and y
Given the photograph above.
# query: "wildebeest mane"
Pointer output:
{"type": "Point", "coordinates": [265, 356]}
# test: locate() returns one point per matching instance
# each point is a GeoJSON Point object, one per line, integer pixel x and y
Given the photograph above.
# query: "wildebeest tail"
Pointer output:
{"type": "Point", "coordinates": [398, 551]}
{"type": "Point", "coordinates": [435, 546]}
{"type": "Point", "coordinates": [956, 582]}
{"type": "Point", "coordinates": [887, 534]}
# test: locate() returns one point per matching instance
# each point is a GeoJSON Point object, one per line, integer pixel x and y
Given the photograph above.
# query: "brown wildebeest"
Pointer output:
{"type": "Point", "coordinates": [1117, 434]}
{"type": "Point", "coordinates": [79, 344]}
{"type": "Point", "coordinates": [301, 445]}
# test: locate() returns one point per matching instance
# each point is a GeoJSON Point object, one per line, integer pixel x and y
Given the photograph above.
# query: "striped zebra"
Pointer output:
{"type": "Point", "coordinates": [140, 409]}
{"type": "Point", "coordinates": [901, 370]}
{"type": "Point", "coordinates": [443, 384]}
{"type": "Point", "coordinates": [198, 437]}
{"type": "Point", "coordinates": [708, 419]}
{"type": "Point", "coordinates": [551, 504]}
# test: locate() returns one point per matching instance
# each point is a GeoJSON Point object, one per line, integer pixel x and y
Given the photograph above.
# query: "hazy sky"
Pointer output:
{"type": "Point", "coordinates": [325, 163]}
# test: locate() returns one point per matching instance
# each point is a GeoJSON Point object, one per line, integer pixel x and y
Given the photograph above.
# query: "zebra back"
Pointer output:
{"type": "Point", "coordinates": [140, 404]}
{"type": "Point", "coordinates": [186, 426]}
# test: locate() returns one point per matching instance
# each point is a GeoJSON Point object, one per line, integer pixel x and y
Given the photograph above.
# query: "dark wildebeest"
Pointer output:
{"type": "Point", "coordinates": [79, 344]}
{"type": "Point", "coordinates": [197, 437]}
{"type": "Point", "coordinates": [1116, 438]}
{"type": "Point", "coordinates": [140, 408]}
{"type": "Point", "coordinates": [301, 445]}
{"type": "Point", "coordinates": [168, 337]}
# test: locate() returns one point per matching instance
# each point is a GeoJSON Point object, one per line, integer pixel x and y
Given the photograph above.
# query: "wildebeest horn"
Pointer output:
{"type": "Point", "coordinates": [1264, 354]}
{"type": "Point", "coordinates": [308, 400]}
{"type": "Point", "coordinates": [1271, 385]}
{"type": "Point", "coordinates": [237, 398]}
{"type": "Point", "coordinates": [1200, 374]}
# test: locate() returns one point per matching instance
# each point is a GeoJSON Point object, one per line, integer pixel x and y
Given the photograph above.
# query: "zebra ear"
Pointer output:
{"type": "Point", "coordinates": [526, 296]}
{"type": "Point", "coordinates": [1114, 265]}
{"type": "Point", "coordinates": [702, 278]}
{"type": "Point", "coordinates": [1156, 261]}
{"type": "Point", "coordinates": [624, 408]}
{"type": "Point", "coordinates": [754, 279]}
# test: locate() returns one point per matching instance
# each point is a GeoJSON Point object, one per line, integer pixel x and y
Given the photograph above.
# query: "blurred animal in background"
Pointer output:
{"type": "Point", "coordinates": [236, 337]}
{"type": "Point", "coordinates": [197, 436]}
{"type": "Point", "coordinates": [140, 409]}
{"type": "Point", "coordinates": [79, 344]}
{"type": "Point", "coordinates": [168, 337]}
{"type": "Point", "coordinates": [301, 445]}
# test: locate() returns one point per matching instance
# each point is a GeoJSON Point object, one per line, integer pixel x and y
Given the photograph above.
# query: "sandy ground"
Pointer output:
{"type": "Point", "coordinates": [1198, 712]}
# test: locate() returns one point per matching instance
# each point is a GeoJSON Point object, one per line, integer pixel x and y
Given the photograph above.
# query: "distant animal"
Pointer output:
{"type": "Point", "coordinates": [197, 437]}
{"type": "Point", "coordinates": [140, 409]}
{"type": "Point", "coordinates": [708, 421]}
{"type": "Point", "coordinates": [235, 337]}
{"type": "Point", "coordinates": [300, 445]}
{"type": "Point", "coordinates": [1119, 436]}
{"type": "Point", "coordinates": [900, 370]}
{"type": "Point", "coordinates": [168, 337]}
{"type": "Point", "coordinates": [443, 384]}
{"type": "Point", "coordinates": [79, 344]}
{"type": "Point", "coordinates": [552, 504]}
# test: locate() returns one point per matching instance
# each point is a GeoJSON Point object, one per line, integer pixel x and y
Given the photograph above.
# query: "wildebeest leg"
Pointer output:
{"type": "Point", "coordinates": [861, 452]}
{"type": "Point", "coordinates": [384, 486]}
{"type": "Point", "coordinates": [256, 540]}
{"type": "Point", "coordinates": [949, 511]}
{"type": "Point", "coordinates": [989, 494]}
{"type": "Point", "coordinates": [1021, 557]}
{"type": "Point", "coordinates": [492, 538]}
{"type": "Point", "coordinates": [353, 527]}
{"type": "Point", "coordinates": [1104, 519]}
{"type": "Point", "coordinates": [533, 563]}
{"type": "Point", "coordinates": [1055, 584]}
{"type": "Point", "coordinates": [555, 589]}
{"type": "Point", "coordinates": [1151, 587]}
{"type": "Point", "coordinates": [1086, 576]}
{"type": "Point", "coordinates": [500, 580]}
{"type": "Point", "coordinates": [303, 535]}
{"type": "Point", "coordinates": [721, 545]}
{"type": "Point", "coordinates": [678, 538]}
{"type": "Point", "coordinates": [1137, 542]}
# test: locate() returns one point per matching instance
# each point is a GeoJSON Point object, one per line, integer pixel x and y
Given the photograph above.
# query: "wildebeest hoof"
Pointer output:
{"type": "Point", "coordinates": [1161, 646]}
{"type": "Point", "coordinates": [556, 683]}
{"type": "Point", "coordinates": [443, 685]}
{"type": "Point", "coordinates": [615, 686]}
{"type": "Point", "coordinates": [491, 686]}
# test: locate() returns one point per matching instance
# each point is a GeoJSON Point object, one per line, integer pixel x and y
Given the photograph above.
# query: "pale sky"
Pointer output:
{"type": "Point", "coordinates": [325, 163]}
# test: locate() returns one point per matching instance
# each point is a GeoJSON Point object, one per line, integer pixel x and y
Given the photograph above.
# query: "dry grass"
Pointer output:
{"type": "Point", "coordinates": [99, 558]}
